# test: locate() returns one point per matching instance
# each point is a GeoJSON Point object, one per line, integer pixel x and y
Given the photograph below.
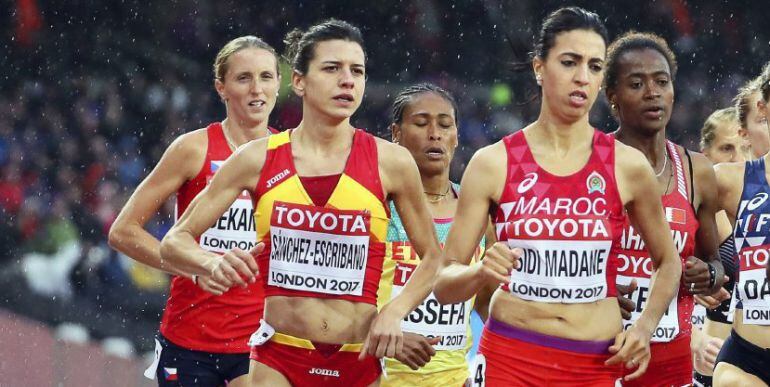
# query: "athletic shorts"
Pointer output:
{"type": "Point", "coordinates": [748, 357]}
{"type": "Point", "coordinates": [451, 378]}
{"type": "Point", "coordinates": [670, 365]}
{"type": "Point", "coordinates": [177, 366]}
{"type": "Point", "coordinates": [700, 380]}
{"type": "Point", "coordinates": [509, 356]}
{"type": "Point", "coordinates": [305, 363]}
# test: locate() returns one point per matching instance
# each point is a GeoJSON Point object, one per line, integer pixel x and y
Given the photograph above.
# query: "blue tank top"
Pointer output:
{"type": "Point", "coordinates": [752, 229]}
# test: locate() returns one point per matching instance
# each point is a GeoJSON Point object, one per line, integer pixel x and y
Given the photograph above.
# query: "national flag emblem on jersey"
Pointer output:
{"type": "Point", "coordinates": [170, 374]}
{"type": "Point", "coordinates": [215, 165]}
{"type": "Point", "coordinates": [676, 215]}
{"type": "Point", "coordinates": [595, 183]}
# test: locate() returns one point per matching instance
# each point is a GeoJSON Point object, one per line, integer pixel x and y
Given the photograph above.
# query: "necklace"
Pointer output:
{"type": "Point", "coordinates": [665, 161]}
{"type": "Point", "coordinates": [439, 196]}
{"type": "Point", "coordinates": [230, 143]}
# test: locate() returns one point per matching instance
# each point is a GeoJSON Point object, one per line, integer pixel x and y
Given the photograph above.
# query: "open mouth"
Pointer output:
{"type": "Point", "coordinates": [435, 152]}
{"type": "Point", "coordinates": [344, 98]}
{"type": "Point", "coordinates": [655, 112]}
{"type": "Point", "coordinates": [257, 103]}
{"type": "Point", "coordinates": [578, 96]}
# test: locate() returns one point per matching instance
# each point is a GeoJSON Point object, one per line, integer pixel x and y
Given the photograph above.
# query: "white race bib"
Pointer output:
{"type": "Point", "coordinates": [322, 250]}
{"type": "Point", "coordinates": [431, 318]}
{"type": "Point", "coordinates": [565, 271]}
{"type": "Point", "coordinates": [668, 327]}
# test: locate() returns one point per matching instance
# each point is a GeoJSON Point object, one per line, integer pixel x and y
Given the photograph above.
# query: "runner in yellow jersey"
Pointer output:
{"type": "Point", "coordinates": [425, 122]}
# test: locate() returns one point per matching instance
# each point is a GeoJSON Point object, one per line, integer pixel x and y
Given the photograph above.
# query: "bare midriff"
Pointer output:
{"type": "Point", "coordinates": [593, 321]}
{"type": "Point", "coordinates": [320, 320]}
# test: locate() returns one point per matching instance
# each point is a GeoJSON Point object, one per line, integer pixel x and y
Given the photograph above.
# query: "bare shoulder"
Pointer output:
{"type": "Point", "coordinates": [701, 166]}
{"type": "Point", "coordinates": [629, 159]}
{"type": "Point", "coordinates": [490, 156]}
{"type": "Point", "coordinates": [253, 153]}
{"type": "Point", "coordinates": [392, 156]}
{"type": "Point", "coordinates": [190, 144]}
{"type": "Point", "coordinates": [729, 174]}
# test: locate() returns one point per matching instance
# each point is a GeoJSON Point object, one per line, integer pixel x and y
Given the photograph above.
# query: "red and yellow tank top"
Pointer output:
{"type": "Point", "coordinates": [333, 251]}
{"type": "Point", "coordinates": [569, 227]}
{"type": "Point", "coordinates": [197, 320]}
{"type": "Point", "coordinates": [635, 261]}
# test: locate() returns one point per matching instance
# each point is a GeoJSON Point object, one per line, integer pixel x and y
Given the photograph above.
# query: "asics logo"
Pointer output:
{"type": "Point", "coordinates": [529, 180]}
{"type": "Point", "coordinates": [757, 201]}
{"type": "Point", "coordinates": [277, 178]}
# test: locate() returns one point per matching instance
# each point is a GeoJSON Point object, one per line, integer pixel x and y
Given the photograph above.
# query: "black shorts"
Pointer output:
{"type": "Point", "coordinates": [179, 366]}
{"type": "Point", "coordinates": [746, 356]}
{"type": "Point", "coordinates": [700, 380]}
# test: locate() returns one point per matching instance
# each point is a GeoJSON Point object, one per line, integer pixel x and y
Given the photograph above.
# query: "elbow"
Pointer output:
{"type": "Point", "coordinates": [168, 247]}
{"type": "Point", "coordinates": [116, 236]}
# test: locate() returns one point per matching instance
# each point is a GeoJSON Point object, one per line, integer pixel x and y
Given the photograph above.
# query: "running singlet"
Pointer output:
{"type": "Point", "coordinates": [197, 320]}
{"type": "Point", "coordinates": [450, 322]}
{"type": "Point", "coordinates": [334, 251]}
{"type": "Point", "coordinates": [569, 227]}
{"type": "Point", "coordinates": [752, 229]}
{"type": "Point", "coordinates": [635, 262]}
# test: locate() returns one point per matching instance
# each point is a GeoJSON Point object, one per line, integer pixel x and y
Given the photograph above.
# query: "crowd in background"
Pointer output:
{"type": "Point", "coordinates": [91, 93]}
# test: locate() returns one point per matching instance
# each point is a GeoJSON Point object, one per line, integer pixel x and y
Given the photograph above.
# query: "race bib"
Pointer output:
{"type": "Point", "coordinates": [235, 228]}
{"type": "Point", "coordinates": [668, 327]}
{"type": "Point", "coordinates": [431, 318]}
{"type": "Point", "coordinates": [322, 250]}
{"type": "Point", "coordinates": [560, 270]}
{"type": "Point", "coordinates": [698, 317]}
{"type": "Point", "coordinates": [754, 288]}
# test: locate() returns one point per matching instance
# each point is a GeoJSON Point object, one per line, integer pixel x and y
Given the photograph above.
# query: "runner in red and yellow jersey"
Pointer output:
{"type": "Point", "coordinates": [320, 194]}
{"type": "Point", "coordinates": [205, 327]}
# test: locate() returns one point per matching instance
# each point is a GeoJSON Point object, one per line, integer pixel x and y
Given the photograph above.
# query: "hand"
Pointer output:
{"type": "Point", "coordinates": [499, 260]}
{"type": "Point", "coordinates": [385, 338]}
{"type": "Point", "coordinates": [417, 351]}
{"type": "Point", "coordinates": [632, 348]}
{"type": "Point", "coordinates": [713, 301]}
{"type": "Point", "coordinates": [229, 269]}
{"type": "Point", "coordinates": [627, 305]}
{"type": "Point", "coordinates": [696, 276]}
{"type": "Point", "coordinates": [706, 352]}
{"type": "Point", "coordinates": [206, 284]}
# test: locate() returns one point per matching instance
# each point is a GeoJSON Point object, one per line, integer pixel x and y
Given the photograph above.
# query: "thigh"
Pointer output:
{"type": "Point", "coordinates": [728, 375]}
{"type": "Point", "coordinates": [262, 375]}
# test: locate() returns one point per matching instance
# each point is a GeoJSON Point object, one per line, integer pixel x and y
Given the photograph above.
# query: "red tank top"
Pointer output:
{"type": "Point", "coordinates": [333, 251]}
{"type": "Point", "coordinates": [568, 226]}
{"type": "Point", "coordinates": [197, 320]}
{"type": "Point", "coordinates": [635, 262]}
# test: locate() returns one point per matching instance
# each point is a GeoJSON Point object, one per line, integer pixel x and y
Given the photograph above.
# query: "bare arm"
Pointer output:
{"type": "Point", "coordinates": [638, 190]}
{"type": "Point", "coordinates": [482, 184]}
{"type": "Point", "coordinates": [707, 245]}
{"type": "Point", "coordinates": [484, 295]}
{"type": "Point", "coordinates": [644, 206]}
{"type": "Point", "coordinates": [240, 172]}
{"type": "Point", "coordinates": [402, 182]}
{"type": "Point", "coordinates": [180, 163]}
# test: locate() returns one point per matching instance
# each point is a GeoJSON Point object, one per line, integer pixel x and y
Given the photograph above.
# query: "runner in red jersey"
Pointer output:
{"type": "Point", "coordinates": [639, 86]}
{"type": "Point", "coordinates": [320, 193]}
{"type": "Point", "coordinates": [558, 203]}
{"type": "Point", "coordinates": [206, 326]}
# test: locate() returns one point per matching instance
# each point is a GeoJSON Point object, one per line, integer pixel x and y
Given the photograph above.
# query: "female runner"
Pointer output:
{"type": "Point", "coordinates": [743, 192]}
{"type": "Point", "coordinates": [558, 206]}
{"type": "Point", "coordinates": [639, 86]}
{"type": "Point", "coordinates": [320, 193]}
{"type": "Point", "coordinates": [205, 327]}
{"type": "Point", "coordinates": [425, 123]}
{"type": "Point", "coordinates": [721, 142]}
